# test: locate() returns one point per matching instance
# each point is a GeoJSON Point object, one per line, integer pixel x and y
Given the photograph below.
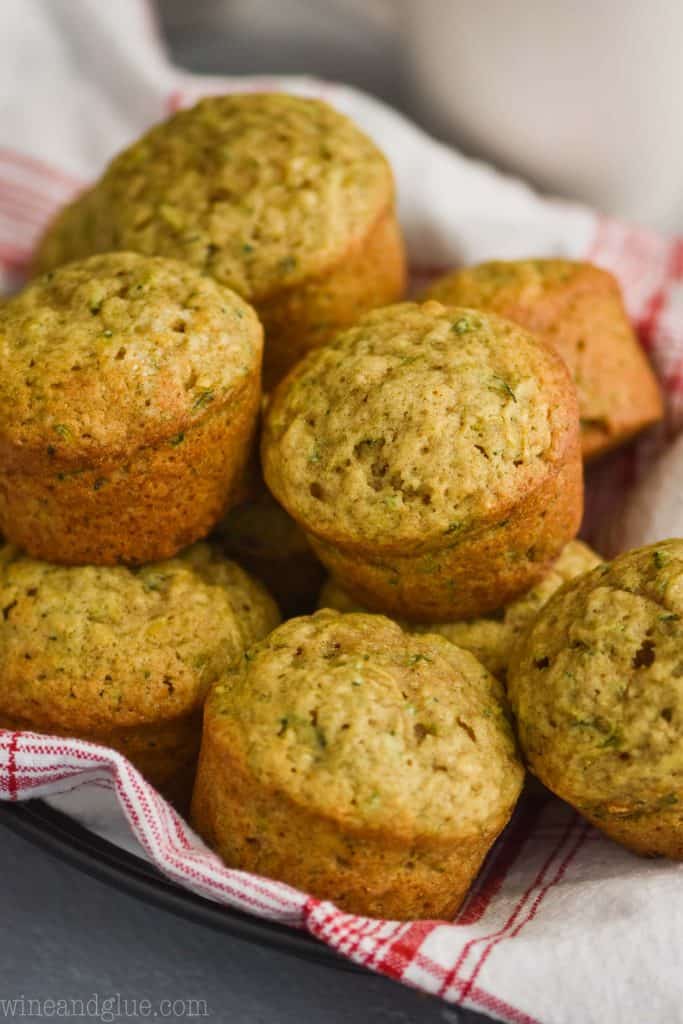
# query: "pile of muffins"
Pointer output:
{"type": "Point", "coordinates": [216, 345]}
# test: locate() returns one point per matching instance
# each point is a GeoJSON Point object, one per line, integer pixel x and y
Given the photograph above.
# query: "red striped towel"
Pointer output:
{"type": "Point", "coordinates": [562, 925]}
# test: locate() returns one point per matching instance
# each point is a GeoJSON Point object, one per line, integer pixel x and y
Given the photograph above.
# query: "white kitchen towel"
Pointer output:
{"type": "Point", "coordinates": [562, 925]}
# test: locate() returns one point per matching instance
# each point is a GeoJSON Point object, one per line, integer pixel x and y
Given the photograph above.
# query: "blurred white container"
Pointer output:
{"type": "Point", "coordinates": [583, 97]}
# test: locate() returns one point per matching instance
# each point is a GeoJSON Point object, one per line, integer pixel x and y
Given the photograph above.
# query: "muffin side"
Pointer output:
{"type": "Point", "coordinates": [578, 309]}
{"type": "Point", "coordinates": [124, 657]}
{"type": "Point", "coordinates": [128, 409]}
{"type": "Point", "coordinates": [371, 274]}
{"type": "Point", "coordinates": [490, 639]}
{"type": "Point", "coordinates": [596, 689]}
{"type": "Point", "coordinates": [392, 753]}
{"type": "Point", "coordinates": [432, 456]}
{"type": "Point", "coordinates": [145, 509]}
{"type": "Point", "coordinates": [476, 575]}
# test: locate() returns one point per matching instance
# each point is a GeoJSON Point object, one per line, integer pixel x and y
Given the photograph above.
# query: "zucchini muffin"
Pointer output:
{"type": "Point", "coordinates": [578, 309]}
{"type": "Point", "coordinates": [490, 639]}
{"type": "Point", "coordinates": [125, 657]}
{"type": "Point", "coordinates": [280, 198]}
{"type": "Point", "coordinates": [432, 457]}
{"type": "Point", "coordinates": [266, 541]}
{"type": "Point", "coordinates": [597, 688]}
{"type": "Point", "coordinates": [359, 763]}
{"type": "Point", "coordinates": [128, 408]}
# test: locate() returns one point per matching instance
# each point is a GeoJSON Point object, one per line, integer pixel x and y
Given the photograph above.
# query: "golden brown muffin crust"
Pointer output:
{"type": "Point", "coordinates": [128, 409]}
{"type": "Point", "coordinates": [140, 509]}
{"type": "Point", "coordinates": [596, 687]}
{"type": "Point", "coordinates": [415, 426]}
{"type": "Point", "coordinates": [490, 639]}
{"type": "Point", "coordinates": [279, 197]}
{"type": "Point", "coordinates": [577, 308]}
{"type": "Point", "coordinates": [391, 753]}
{"type": "Point", "coordinates": [432, 456]}
{"type": "Point", "coordinates": [477, 573]}
{"type": "Point", "coordinates": [258, 190]}
{"type": "Point", "coordinates": [125, 657]}
{"type": "Point", "coordinates": [118, 352]}
{"type": "Point", "coordinates": [370, 274]}
{"type": "Point", "coordinates": [93, 648]}
{"type": "Point", "coordinates": [363, 714]}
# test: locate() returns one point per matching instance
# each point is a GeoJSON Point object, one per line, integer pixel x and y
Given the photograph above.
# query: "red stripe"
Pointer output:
{"type": "Point", "coordinates": [32, 163]}
{"type": "Point", "coordinates": [513, 841]}
{"type": "Point", "coordinates": [175, 866]}
{"type": "Point", "coordinates": [181, 834]}
{"type": "Point", "coordinates": [15, 198]}
{"type": "Point", "coordinates": [175, 101]}
{"type": "Point", "coordinates": [533, 910]}
{"type": "Point", "coordinates": [14, 253]}
{"type": "Point", "coordinates": [28, 194]}
{"type": "Point", "coordinates": [158, 828]}
{"type": "Point", "coordinates": [647, 326]}
{"type": "Point", "coordinates": [478, 995]}
{"type": "Point", "coordinates": [25, 785]}
{"type": "Point", "coordinates": [674, 381]}
{"type": "Point", "coordinates": [561, 871]}
{"type": "Point", "coordinates": [677, 259]}
{"type": "Point", "coordinates": [648, 323]}
{"type": "Point", "coordinates": [310, 907]}
{"type": "Point", "coordinates": [42, 771]}
{"type": "Point", "coordinates": [21, 218]}
{"type": "Point", "coordinates": [498, 1006]}
{"type": "Point", "coordinates": [402, 952]}
{"type": "Point", "coordinates": [12, 766]}
{"type": "Point", "coordinates": [14, 260]}
{"type": "Point", "coordinates": [248, 890]}
{"type": "Point", "coordinates": [366, 930]}
{"type": "Point", "coordinates": [598, 237]}
{"type": "Point", "coordinates": [309, 918]}
{"type": "Point", "coordinates": [345, 933]}
{"type": "Point", "coordinates": [451, 979]}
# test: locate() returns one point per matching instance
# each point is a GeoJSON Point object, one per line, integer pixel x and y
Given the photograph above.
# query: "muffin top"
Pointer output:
{"type": "Point", "coordinates": [485, 638]}
{"type": "Point", "coordinates": [597, 684]}
{"type": "Point", "coordinates": [122, 645]}
{"type": "Point", "coordinates": [501, 285]}
{"type": "Point", "coordinates": [415, 425]}
{"type": "Point", "coordinates": [577, 308]}
{"type": "Point", "coordinates": [352, 718]}
{"type": "Point", "coordinates": [259, 190]}
{"type": "Point", "coordinates": [119, 351]}
{"type": "Point", "coordinates": [489, 638]}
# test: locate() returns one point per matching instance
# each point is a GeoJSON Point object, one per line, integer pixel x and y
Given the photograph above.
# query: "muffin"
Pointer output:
{"type": "Point", "coordinates": [266, 541]}
{"type": "Point", "coordinates": [128, 405]}
{"type": "Point", "coordinates": [432, 457]}
{"type": "Point", "coordinates": [577, 308]}
{"type": "Point", "coordinates": [491, 638]}
{"type": "Point", "coordinates": [278, 197]}
{"type": "Point", "coordinates": [597, 688]}
{"type": "Point", "coordinates": [124, 657]}
{"type": "Point", "coordinates": [359, 763]}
